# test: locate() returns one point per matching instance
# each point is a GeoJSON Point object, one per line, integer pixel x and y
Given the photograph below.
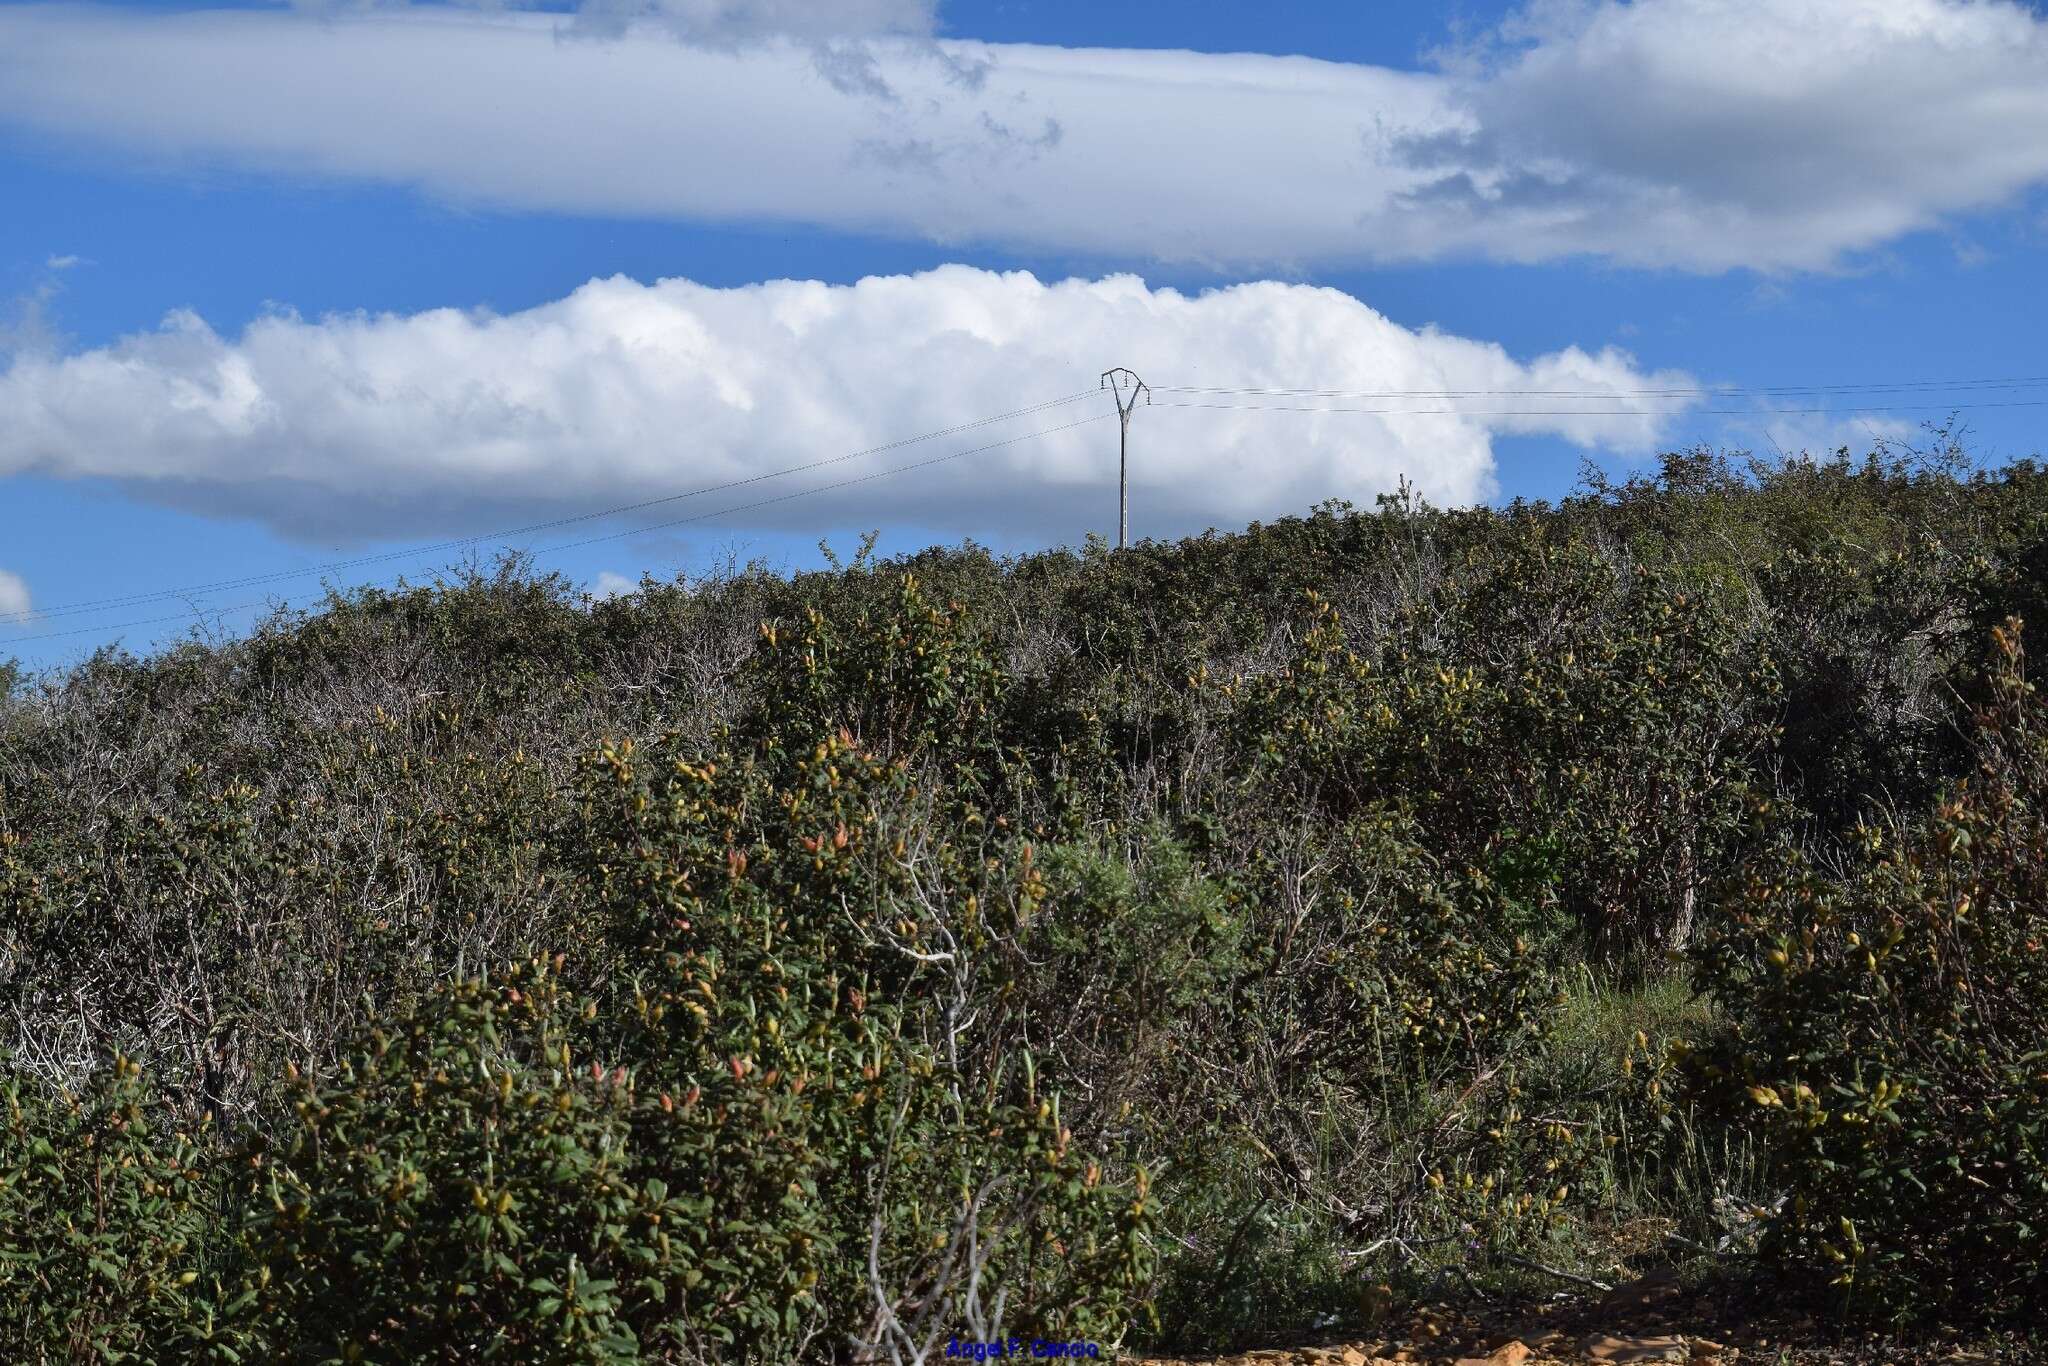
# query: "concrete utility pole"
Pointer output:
{"type": "Point", "coordinates": [1124, 386]}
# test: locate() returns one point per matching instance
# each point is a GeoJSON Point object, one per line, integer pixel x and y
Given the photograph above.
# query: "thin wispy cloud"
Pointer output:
{"type": "Point", "coordinates": [16, 605]}
{"type": "Point", "coordinates": [729, 23]}
{"type": "Point", "coordinates": [835, 33]}
{"type": "Point", "coordinates": [28, 324]}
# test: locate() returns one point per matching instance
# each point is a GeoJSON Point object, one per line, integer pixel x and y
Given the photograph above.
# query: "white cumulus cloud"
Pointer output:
{"type": "Point", "coordinates": [1696, 134]}
{"type": "Point", "coordinates": [377, 425]}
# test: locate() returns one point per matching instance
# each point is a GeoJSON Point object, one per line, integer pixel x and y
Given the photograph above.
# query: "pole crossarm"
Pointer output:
{"type": "Point", "coordinates": [1124, 386]}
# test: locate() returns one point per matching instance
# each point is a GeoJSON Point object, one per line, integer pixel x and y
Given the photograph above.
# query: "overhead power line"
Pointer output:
{"type": "Point", "coordinates": [1207, 397]}
{"type": "Point", "coordinates": [1605, 412]}
{"type": "Point", "coordinates": [465, 542]}
{"type": "Point", "coordinates": [629, 531]}
{"type": "Point", "coordinates": [1725, 391]}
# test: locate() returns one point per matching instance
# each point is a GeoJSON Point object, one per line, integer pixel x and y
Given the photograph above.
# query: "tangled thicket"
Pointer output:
{"type": "Point", "coordinates": [1159, 946]}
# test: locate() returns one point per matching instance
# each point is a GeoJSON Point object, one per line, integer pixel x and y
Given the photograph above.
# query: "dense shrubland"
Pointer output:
{"type": "Point", "coordinates": [1214, 938]}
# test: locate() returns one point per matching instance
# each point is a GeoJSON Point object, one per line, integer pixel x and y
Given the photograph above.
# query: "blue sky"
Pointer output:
{"type": "Point", "coordinates": [285, 286]}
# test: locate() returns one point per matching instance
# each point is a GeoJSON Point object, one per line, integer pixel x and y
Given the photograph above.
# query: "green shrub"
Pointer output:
{"type": "Point", "coordinates": [1888, 1038]}
{"type": "Point", "coordinates": [1077, 943]}
{"type": "Point", "coordinates": [807, 963]}
{"type": "Point", "coordinates": [1589, 740]}
{"type": "Point", "coordinates": [110, 1242]}
{"type": "Point", "coordinates": [465, 1187]}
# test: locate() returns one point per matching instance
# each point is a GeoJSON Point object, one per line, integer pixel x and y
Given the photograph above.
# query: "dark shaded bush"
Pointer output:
{"type": "Point", "coordinates": [1588, 739]}
{"type": "Point", "coordinates": [1888, 1034]}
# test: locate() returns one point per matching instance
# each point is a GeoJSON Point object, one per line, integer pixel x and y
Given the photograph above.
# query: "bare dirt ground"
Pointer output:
{"type": "Point", "coordinates": [1652, 1320]}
